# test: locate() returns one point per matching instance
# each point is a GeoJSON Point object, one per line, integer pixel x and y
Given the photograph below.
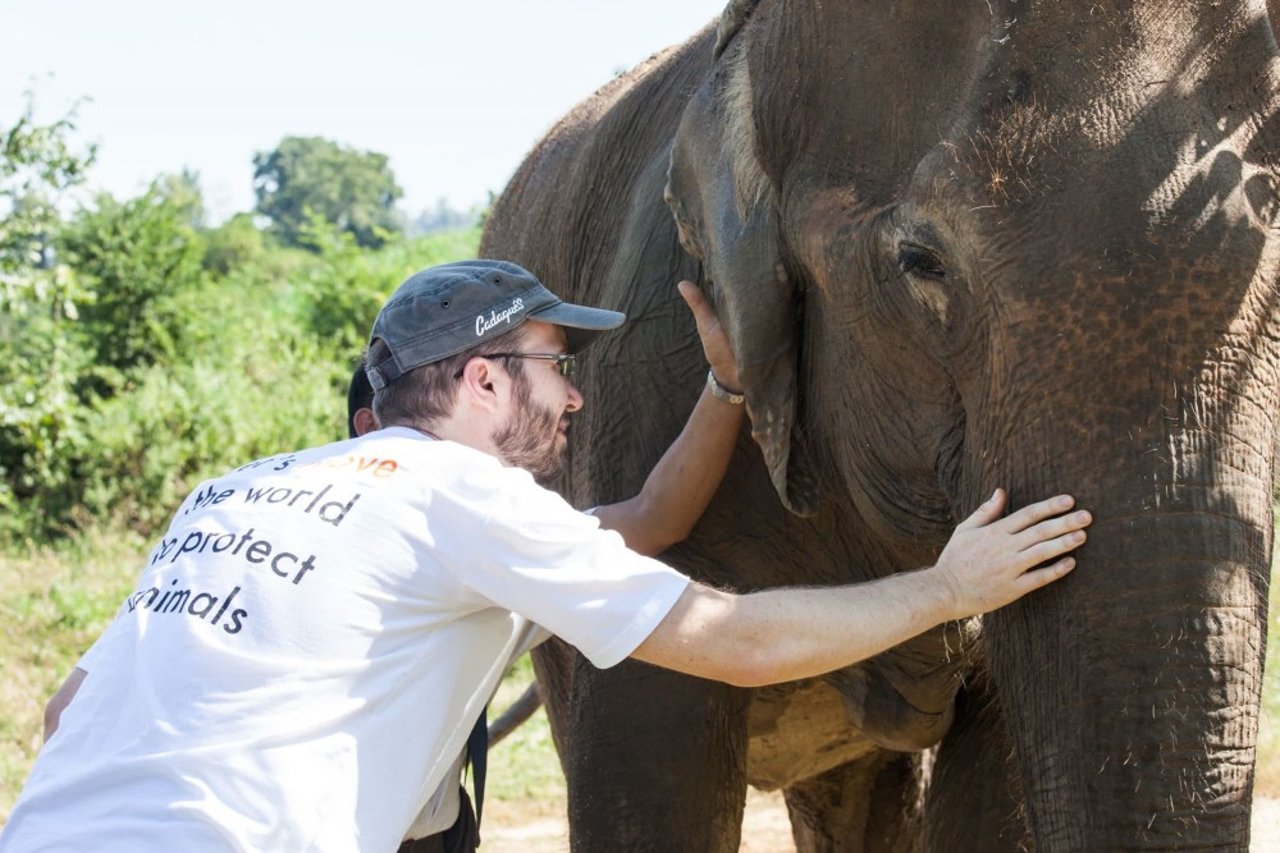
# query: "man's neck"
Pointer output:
{"type": "Point", "coordinates": [428, 433]}
{"type": "Point", "coordinates": [475, 436]}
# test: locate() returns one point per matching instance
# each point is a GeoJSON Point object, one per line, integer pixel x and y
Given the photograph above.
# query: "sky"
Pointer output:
{"type": "Point", "coordinates": [455, 93]}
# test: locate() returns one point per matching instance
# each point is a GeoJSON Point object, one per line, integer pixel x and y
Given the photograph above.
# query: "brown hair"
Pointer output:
{"type": "Point", "coordinates": [427, 393]}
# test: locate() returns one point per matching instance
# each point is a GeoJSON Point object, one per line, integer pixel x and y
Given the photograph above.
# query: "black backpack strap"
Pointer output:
{"type": "Point", "coordinates": [478, 756]}
{"type": "Point", "coordinates": [464, 835]}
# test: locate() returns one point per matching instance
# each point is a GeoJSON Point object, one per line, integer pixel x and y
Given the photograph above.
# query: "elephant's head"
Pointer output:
{"type": "Point", "coordinates": [1030, 245]}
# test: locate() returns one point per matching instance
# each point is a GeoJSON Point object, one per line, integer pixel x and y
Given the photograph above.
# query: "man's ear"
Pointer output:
{"type": "Point", "coordinates": [364, 421]}
{"type": "Point", "coordinates": [482, 384]}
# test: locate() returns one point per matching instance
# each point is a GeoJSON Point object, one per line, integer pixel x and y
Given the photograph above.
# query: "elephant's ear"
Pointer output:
{"type": "Point", "coordinates": [733, 18]}
{"type": "Point", "coordinates": [727, 214]}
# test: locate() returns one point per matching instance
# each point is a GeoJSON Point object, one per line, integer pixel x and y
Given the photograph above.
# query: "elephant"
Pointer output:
{"type": "Point", "coordinates": [995, 243]}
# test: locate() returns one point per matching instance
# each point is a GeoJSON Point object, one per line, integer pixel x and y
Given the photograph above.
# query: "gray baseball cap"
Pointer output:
{"type": "Point", "coordinates": [448, 309]}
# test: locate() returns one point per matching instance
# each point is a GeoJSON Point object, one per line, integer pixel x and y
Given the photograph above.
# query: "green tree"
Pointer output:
{"type": "Point", "coordinates": [182, 191]}
{"type": "Point", "coordinates": [39, 361]}
{"type": "Point", "coordinates": [355, 191]}
{"type": "Point", "coordinates": [37, 167]}
{"type": "Point", "coordinates": [135, 256]}
{"type": "Point", "coordinates": [234, 244]}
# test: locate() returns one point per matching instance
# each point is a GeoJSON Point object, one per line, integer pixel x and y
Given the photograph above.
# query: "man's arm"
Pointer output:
{"type": "Point", "coordinates": [683, 482]}
{"type": "Point", "coordinates": [56, 705]}
{"type": "Point", "coordinates": [789, 633]}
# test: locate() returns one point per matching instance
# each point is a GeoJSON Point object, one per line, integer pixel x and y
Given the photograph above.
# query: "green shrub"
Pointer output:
{"type": "Point", "coordinates": [238, 365]}
{"type": "Point", "coordinates": [41, 429]}
{"type": "Point", "coordinates": [237, 243]}
{"type": "Point", "coordinates": [214, 413]}
{"type": "Point", "coordinates": [131, 257]}
{"type": "Point", "coordinates": [140, 353]}
{"type": "Point", "coordinates": [41, 358]}
{"type": "Point", "coordinates": [340, 294]}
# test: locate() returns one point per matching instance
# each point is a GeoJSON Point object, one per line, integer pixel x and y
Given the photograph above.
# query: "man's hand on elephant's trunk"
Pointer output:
{"type": "Point", "coordinates": [988, 561]}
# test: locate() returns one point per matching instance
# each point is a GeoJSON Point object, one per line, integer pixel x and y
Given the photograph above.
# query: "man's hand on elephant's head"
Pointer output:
{"type": "Point", "coordinates": [988, 561]}
{"type": "Point", "coordinates": [715, 340]}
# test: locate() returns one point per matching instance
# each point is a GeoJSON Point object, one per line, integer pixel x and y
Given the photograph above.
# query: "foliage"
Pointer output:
{"type": "Point", "coordinates": [182, 192]}
{"type": "Point", "coordinates": [341, 295]}
{"type": "Point", "coordinates": [131, 256]}
{"type": "Point", "coordinates": [37, 166]}
{"type": "Point", "coordinates": [239, 365]}
{"type": "Point", "coordinates": [38, 299]}
{"type": "Point", "coordinates": [236, 243]}
{"type": "Point", "coordinates": [354, 191]}
{"type": "Point", "coordinates": [141, 352]}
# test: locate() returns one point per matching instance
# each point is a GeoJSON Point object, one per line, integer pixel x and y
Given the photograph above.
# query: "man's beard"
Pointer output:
{"type": "Point", "coordinates": [528, 439]}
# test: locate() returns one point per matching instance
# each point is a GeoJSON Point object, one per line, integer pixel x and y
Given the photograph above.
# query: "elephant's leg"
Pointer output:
{"type": "Point", "coordinates": [974, 795]}
{"type": "Point", "coordinates": [866, 805]}
{"type": "Point", "coordinates": [553, 663]}
{"type": "Point", "coordinates": [657, 760]}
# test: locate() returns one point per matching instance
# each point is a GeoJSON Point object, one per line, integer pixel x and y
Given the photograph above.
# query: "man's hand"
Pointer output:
{"type": "Point", "coordinates": [56, 705]}
{"type": "Point", "coordinates": [715, 341]}
{"type": "Point", "coordinates": [986, 562]}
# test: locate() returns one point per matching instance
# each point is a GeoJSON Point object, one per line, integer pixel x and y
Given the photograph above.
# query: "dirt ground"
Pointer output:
{"type": "Point", "coordinates": [518, 828]}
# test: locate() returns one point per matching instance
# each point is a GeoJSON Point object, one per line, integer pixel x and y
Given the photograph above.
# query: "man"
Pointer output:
{"type": "Point", "coordinates": [663, 513]}
{"type": "Point", "coordinates": [263, 689]}
{"type": "Point", "coordinates": [671, 501]}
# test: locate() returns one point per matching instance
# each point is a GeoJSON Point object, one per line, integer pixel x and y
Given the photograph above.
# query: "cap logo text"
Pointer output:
{"type": "Point", "coordinates": [495, 318]}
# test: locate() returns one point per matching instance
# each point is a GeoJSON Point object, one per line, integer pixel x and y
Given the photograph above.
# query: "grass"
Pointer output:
{"type": "Point", "coordinates": [524, 768]}
{"type": "Point", "coordinates": [54, 602]}
{"type": "Point", "coordinates": [53, 605]}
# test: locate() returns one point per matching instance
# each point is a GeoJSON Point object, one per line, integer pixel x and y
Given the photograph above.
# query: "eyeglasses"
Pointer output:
{"type": "Point", "coordinates": [565, 362]}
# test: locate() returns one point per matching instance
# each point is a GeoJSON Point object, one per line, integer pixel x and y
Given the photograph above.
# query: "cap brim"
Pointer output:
{"type": "Point", "coordinates": [581, 324]}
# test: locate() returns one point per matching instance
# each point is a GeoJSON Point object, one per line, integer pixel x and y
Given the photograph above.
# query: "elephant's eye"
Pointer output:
{"type": "Point", "coordinates": [917, 260]}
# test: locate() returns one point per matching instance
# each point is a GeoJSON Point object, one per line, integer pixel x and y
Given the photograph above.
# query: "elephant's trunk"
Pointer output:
{"type": "Point", "coordinates": [1131, 688]}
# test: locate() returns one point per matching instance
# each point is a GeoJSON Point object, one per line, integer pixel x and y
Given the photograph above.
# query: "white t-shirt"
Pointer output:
{"type": "Point", "coordinates": [310, 644]}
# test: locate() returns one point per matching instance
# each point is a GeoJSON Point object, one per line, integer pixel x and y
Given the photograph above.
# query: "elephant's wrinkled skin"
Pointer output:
{"type": "Point", "coordinates": [958, 245]}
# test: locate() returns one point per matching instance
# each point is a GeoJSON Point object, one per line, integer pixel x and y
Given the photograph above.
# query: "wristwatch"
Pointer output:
{"type": "Point", "coordinates": [733, 398]}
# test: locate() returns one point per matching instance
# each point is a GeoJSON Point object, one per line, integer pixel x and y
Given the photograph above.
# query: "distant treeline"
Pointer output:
{"type": "Point", "coordinates": [141, 350]}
